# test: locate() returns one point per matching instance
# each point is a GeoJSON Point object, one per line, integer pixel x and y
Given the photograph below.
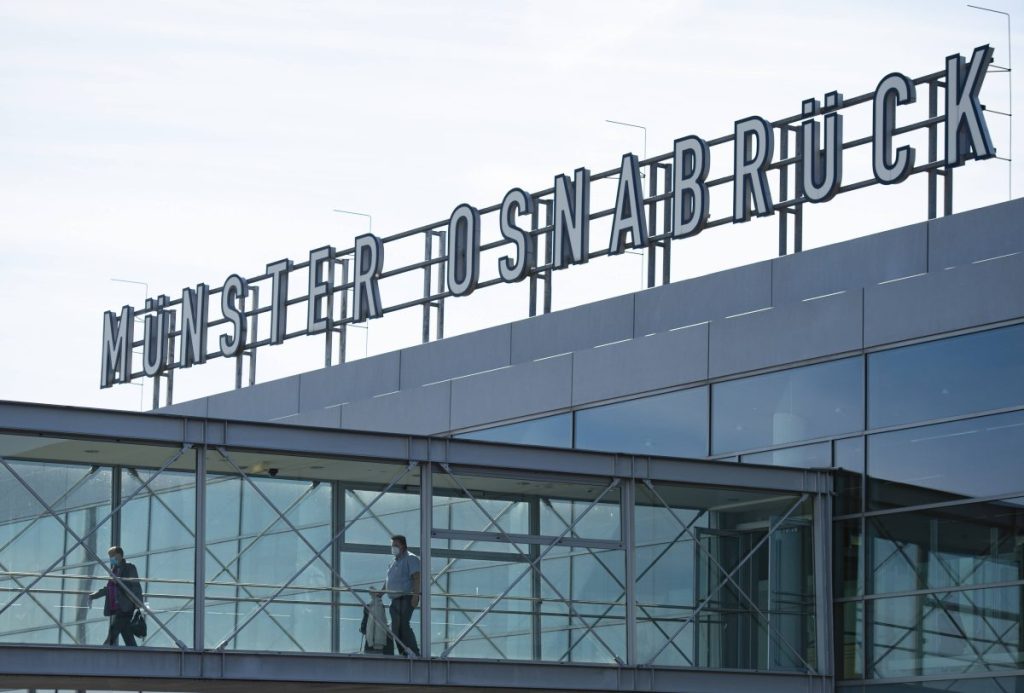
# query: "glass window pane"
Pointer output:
{"type": "Point", "coordinates": [849, 463]}
{"type": "Point", "coordinates": [948, 547]}
{"type": "Point", "coordinates": [959, 460]}
{"type": "Point", "coordinates": [704, 562]}
{"type": "Point", "coordinates": [553, 431]}
{"type": "Point", "coordinates": [804, 456]}
{"type": "Point", "coordinates": [674, 424]}
{"type": "Point", "coordinates": [959, 375]}
{"type": "Point", "coordinates": [946, 633]}
{"type": "Point", "coordinates": [787, 406]}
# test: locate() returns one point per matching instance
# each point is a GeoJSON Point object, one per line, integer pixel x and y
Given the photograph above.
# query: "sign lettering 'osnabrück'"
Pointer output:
{"type": "Point", "coordinates": [820, 175]}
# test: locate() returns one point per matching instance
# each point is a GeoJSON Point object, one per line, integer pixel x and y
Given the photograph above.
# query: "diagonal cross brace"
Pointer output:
{"type": "Point", "coordinates": [707, 600]}
{"type": "Point", "coordinates": [224, 568]}
{"type": "Point", "coordinates": [81, 541]}
{"type": "Point", "coordinates": [531, 566]}
{"type": "Point", "coordinates": [95, 556]}
{"type": "Point", "coordinates": [20, 533]}
{"type": "Point", "coordinates": [436, 578]}
{"type": "Point", "coordinates": [608, 609]}
{"type": "Point", "coordinates": [700, 547]}
{"type": "Point", "coordinates": [317, 554]}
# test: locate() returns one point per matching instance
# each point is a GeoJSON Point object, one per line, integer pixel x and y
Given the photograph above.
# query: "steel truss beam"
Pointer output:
{"type": "Point", "coordinates": [773, 631]}
{"type": "Point", "coordinates": [317, 553]}
{"type": "Point", "coordinates": [435, 579]}
{"type": "Point", "coordinates": [14, 577]}
{"type": "Point", "coordinates": [532, 566]}
{"type": "Point", "coordinates": [80, 541]}
{"type": "Point", "coordinates": [707, 600]}
{"type": "Point", "coordinates": [225, 567]}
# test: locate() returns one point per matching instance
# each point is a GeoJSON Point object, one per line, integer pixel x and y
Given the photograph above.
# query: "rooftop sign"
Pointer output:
{"type": "Point", "coordinates": [184, 332]}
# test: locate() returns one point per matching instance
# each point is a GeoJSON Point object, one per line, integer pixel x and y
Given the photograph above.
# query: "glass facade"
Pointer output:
{"type": "Point", "coordinates": [673, 425]}
{"type": "Point", "coordinates": [927, 532]}
{"type": "Point", "coordinates": [523, 564]}
{"type": "Point", "coordinates": [787, 406]}
{"type": "Point", "coordinates": [928, 568]}
{"type": "Point", "coordinates": [929, 552]}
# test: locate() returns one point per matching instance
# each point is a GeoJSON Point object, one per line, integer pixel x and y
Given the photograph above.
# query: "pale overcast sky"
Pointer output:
{"type": "Point", "coordinates": [178, 142]}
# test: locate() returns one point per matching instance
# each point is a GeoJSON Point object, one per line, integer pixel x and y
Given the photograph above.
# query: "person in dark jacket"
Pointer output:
{"type": "Point", "coordinates": [118, 604]}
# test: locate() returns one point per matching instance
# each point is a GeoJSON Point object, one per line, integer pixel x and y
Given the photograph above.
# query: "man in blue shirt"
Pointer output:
{"type": "Point", "coordinates": [403, 586]}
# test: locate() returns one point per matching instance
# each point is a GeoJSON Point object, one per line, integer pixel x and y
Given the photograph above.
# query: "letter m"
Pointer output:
{"type": "Point", "coordinates": [116, 366]}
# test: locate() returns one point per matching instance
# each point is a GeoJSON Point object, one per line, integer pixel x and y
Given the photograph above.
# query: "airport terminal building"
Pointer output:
{"type": "Point", "coordinates": [802, 474]}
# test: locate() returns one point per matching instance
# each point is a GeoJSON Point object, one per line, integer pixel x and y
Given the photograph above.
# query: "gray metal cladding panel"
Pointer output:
{"type": "Point", "coordinates": [854, 264]}
{"type": "Point", "coordinates": [794, 332]}
{"type": "Point", "coordinates": [417, 411]}
{"type": "Point", "coordinates": [263, 402]}
{"type": "Point", "coordinates": [350, 381]}
{"type": "Point", "coordinates": [572, 329]}
{"type": "Point", "coordinates": [195, 407]}
{"type": "Point", "coordinates": [455, 356]}
{"type": "Point", "coordinates": [329, 417]}
{"type": "Point", "coordinates": [641, 364]}
{"type": "Point", "coordinates": [520, 390]}
{"type": "Point", "coordinates": [967, 296]}
{"type": "Point", "coordinates": [976, 235]}
{"type": "Point", "coordinates": [704, 298]}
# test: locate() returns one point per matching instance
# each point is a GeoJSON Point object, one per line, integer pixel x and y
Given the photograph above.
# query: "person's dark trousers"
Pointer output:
{"type": "Point", "coordinates": [401, 614]}
{"type": "Point", "coordinates": [121, 624]}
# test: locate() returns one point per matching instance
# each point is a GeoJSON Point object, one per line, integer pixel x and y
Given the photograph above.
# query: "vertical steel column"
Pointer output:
{"type": "Point", "coordinates": [156, 392]}
{"type": "Point", "coordinates": [536, 621]}
{"type": "Point", "coordinates": [823, 605]}
{"type": "Point", "coordinates": [199, 579]}
{"type": "Point", "coordinates": [627, 514]}
{"type": "Point", "coordinates": [254, 332]}
{"type": "Point", "coordinates": [549, 251]}
{"type": "Point", "coordinates": [798, 208]}
{"type": "Point", "coordinates": [534, 225]}
{"type": "Point", "coordinates": [666, 227]}
{"type": "Point", "coordinates": [947, 193]}
{"type": "Point", "coordinates": [169, 359]}
{"type": "Point", "coordinates": [115, 501]}
{"type": "Point", "coordinates": [652, 225]}
{"type": "Point", "coordinates": [337, 522]}
{"type": "Point", "coordinates": [428, 255]}
{"type": "Point", "coordinates": [783, 190]}
{"type": "Point", "coordinates": [343, 326]}
{"type": "Point", "coordinates": [253, 336]}
{"type": "Point", "coordinates": [933, 149]}
{"type": "Point", "coordinates": [442, 237]}
{"type": "Point", "coordinates": [426, 570]}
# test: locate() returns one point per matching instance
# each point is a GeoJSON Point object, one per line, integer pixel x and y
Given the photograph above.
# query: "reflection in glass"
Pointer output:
{"type": "Point", "coordinates": [787, 406]}
{"type": "Point", "coordinates": [952, 461]}
{"type": "Point", "coordinates": [804, 456]}
{"type": "Point", "coordinates": [256, 553]}
{"type": "Point", "coordinates": [551, 431]}
{"type": "Point", "coordinates": [849, 625]}
{"type": "Point", "coordinates": [947, 377]}
{"type": "Point", "coordinates": [158, 536]}
{"type": "Point", "coordinates": [947, 632]}
{"type": "Point", "coordinates": [714, 588]}
{"type": "Point", "coordinates": [848, 561]}
{"type": "Point", "coordinates": [57, 609]}
{"type": "Point", "coordinates": [674, 424]}
{"type": "Point", "coordinates": [963, 545]}
{"type": "Point", "coordinates": [488, 603]}
{"type": "Point", "coordinates": [849, 480]}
